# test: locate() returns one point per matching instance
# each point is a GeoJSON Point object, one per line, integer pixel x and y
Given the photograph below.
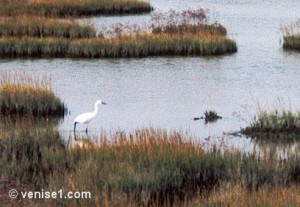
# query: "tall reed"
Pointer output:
{"type": "Point", "coordinates": [145, 167]}
{"type": "Point", "coordinates": [239, 196]}
{"type": "Point", "coordinates": [26, 94]}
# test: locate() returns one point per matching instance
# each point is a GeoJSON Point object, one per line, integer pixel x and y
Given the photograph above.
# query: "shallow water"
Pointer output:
{"type": "Point", "coordinates": [169, 92]}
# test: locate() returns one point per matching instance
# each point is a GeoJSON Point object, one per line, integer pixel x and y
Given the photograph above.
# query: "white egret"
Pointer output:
{"type": "Point", "coordinates": [85, 118]}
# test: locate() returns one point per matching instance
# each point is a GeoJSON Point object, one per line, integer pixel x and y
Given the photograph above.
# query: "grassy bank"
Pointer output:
{"type": "Point", "coordinates": [26, 26]}
{"type": "Point", "coordinates": [119, 47]}
{"type": "Point", "coordinates": [64, 8]}
{"type": "Point", "coordinates": [145, 167]}
{"type": "Point", "coordinates": [276, 124]}
{"type": "Point", "coordinates": [25, 94]}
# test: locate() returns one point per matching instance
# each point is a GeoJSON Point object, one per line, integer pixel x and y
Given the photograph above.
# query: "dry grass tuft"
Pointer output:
{"type": "Point", "coordinates": [239, 196]}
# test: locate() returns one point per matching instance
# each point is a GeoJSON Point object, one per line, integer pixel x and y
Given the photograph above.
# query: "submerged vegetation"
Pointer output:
{"type": "Point", "coordinates": [146, 167]}
{"type": "Point", "coordinates": [64, 8]}
{"type": "Point", "coordinates": [25, 94]}
{"type": "Point", "coordinates": [209, 116]}
{"type": "Point", "coordinates": [274, 123]}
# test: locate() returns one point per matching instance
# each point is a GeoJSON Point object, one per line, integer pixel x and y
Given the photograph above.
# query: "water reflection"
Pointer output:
{"type": "Point", "coordinates": [281, 148]}
{"type": "Point", "coordinates": [16, 125]}
{"type": "Point", "coordinates": [262, 147]}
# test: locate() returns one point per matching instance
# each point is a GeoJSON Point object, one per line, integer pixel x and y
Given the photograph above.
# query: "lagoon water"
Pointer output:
{"type": "Point", "coordinates": [169, 92]}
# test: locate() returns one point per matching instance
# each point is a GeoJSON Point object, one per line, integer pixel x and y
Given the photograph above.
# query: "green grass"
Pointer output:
{"type": "Point", "coordinates": [274, 123]}
{"type": "Point", "coordinates": [42, 27]}
{"type": "Point", "coordinates": [65, 8]}
{"type": "Point", "coordinates": [25, 94]}
{"type": "Point", "coordinates": [145, 167]}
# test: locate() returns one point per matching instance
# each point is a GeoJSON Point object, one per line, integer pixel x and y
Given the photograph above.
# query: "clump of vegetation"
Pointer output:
{"type": "Point", "coordinates": [292, 42]}
{"type": "Point", "coordinates": [26, 26]}
{"type": "Point", "coordinates": [187, 21]}
{"type": "Point", "coordinates": [209, 116]}
{"type": "Point", "coordinates": [64, 8]}
{"type": "Point", "coordinates": [276, 122]}
{"type": "Point", "coordinates": [25, 94]}
{"type": "Point", "coordinates": [291, 36]}
{"type": "Point", "coordinates": [145, 167]}
{"type": "Point", "coordinates": [172, 22]}
{"type": "Point", "coordinates": [208, 29]}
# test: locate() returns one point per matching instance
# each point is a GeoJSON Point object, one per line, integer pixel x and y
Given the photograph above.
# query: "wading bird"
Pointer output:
{"type": "Point", "coordinates": [85, 118]}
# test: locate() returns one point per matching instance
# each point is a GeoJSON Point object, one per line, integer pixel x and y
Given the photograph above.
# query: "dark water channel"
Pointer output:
{"type": "Point", "coordinates": [169, 92]}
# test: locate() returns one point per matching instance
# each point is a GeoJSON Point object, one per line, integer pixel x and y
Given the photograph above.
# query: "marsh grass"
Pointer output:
{"type": "Point", "coordinates": [291, 35]}
{"type": "Point", "coordinates": [208, 29]}
{"type": "Point", "coordinates": [238, 196]}
{"type": "Point", "coordinates": [183, 35]}
{"type": "Point", "coordinates": [65, 8]}
{"type": "Point", "coordinates": [145, 167]}
{"type": "Point", "coordinates": [25, 26]}
{"type": "Point", "coordinates": [292, 42]}
{"type": "Point", "coordinates": [30, 157]}
{"type": "Point", "coordinates": [26, 94]}
{"type": "Point", "coordinates": [119, 47]}
{"type": "Point", "coordinates": [282, 123]}
{"type": "Point", "coordinates": [187, 21]}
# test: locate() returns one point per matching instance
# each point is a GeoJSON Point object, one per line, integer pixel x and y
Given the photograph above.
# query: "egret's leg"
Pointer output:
{"type": "Point", "coordinates": [75, 127]}
{"type": "Point", "coordinates": [75, 130]}
{"type": "Point", "coordinates": [86, 131]}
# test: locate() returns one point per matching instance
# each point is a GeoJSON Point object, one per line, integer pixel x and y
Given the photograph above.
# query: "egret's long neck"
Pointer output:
{"type": "Point", "coordinates": [96, 109]}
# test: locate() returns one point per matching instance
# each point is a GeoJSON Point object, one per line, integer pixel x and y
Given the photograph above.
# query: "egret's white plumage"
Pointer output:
{"type": "Point", "coordinates": [85, 118]}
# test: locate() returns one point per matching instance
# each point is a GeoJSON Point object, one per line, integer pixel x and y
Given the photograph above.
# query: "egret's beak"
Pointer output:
{"type": "Point", "coordinates": [103, 103]}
